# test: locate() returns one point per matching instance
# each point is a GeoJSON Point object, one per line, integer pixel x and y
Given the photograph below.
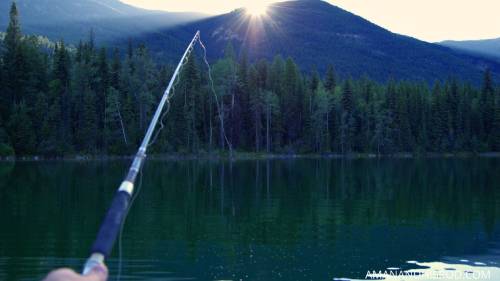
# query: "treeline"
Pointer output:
{"type": "Point", "coordinates": [94, 101]}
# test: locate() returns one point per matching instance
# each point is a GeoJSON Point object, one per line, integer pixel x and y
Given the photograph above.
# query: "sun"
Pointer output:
{"type": "Point", "coordinates": [256, 9]}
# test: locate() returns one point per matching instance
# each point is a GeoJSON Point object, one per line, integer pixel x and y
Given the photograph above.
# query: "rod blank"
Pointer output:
{"type": "Point", "coordinates": [111, 225]}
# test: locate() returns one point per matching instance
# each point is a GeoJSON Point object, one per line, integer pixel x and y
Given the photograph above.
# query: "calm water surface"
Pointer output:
{"type": "Point", "coordinates": [256, 220]}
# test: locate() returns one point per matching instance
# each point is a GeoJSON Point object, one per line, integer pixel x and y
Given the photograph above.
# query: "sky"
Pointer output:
{"type": "Point", "coordinates": [429, 20]}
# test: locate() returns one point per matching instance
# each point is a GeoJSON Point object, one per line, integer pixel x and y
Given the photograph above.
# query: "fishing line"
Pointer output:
{"type": "Point", "coordinates": [212, 88]}
{"type": "Point", "coordinates": [155, 138]}
{"type": "Point", "coordinates": [167, 110]}
{"type": "Point", "coordinates": [114, 223]}
{"type": "Point", "coordinates": [139, 187]}
{"type": "Point", "coordinates": [221, 116]}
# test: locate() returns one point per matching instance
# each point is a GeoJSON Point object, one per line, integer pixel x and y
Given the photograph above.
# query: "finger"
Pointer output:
{"type": "Point", "coordinates": [65, 274]}
{"type": "Point", "coordinates": [98, 273]}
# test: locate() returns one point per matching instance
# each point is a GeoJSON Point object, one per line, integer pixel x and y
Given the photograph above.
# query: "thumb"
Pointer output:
{"type": "Point", "coordinates": [98, 273]}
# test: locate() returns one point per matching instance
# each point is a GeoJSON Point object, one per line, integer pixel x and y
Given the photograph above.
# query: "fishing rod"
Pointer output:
{"type": "Point", "coordinates": [110, 228]}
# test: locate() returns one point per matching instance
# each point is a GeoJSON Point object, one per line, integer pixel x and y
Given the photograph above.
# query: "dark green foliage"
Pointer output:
{"type": "Point", "coordinates": [89, 102]}
{"type": "Point", "coordinates": [20, 130]}
{"type": "Point", "coordinates": [330, 80]}
{"type": "Point", "coordinates": [6, 150]}
{"type": "Point", "coordinates": [13, 35]}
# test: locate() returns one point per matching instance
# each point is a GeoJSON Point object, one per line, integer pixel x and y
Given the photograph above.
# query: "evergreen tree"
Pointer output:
{"type": "Point", "coordinates": [347, 126]}
{"type": "Point", "coordinates": [330, 80]}
{"type": "Point", "coordinates": [224, 73]}
{"type": "Point", "coordinates": [61, 102]}
{"type": "Point", "coordinates": [242, 110]}
{"type": "Point", "coordinates": [13, 62]}
{"type": "Point", "coordinates": [61, 94]}
{"type": "Point", "coordinates": [347, 98]}
{"type": "Point", "coordinates": [40, 119]}
{"type": "Point", "coordinates": [487, 108]}
{"type": "Point", "coordinates": [290, 103]}
{"type": "Point", "coordinates": [381, 136]}
{"type": "Point", "coordinates": [272, 109]}
{"type": "Point", "coordinates": [314, 81]}
{"type": "Point", "coordinates": [257, 106]}
{"type": "Point", "coordinates": [116, 65]}
{"type": "Point", "coordinates": [102, 86]}
{"type": "Point", "coordinates": [5, 148]}
{"type": "Point", "coordinates": [191, 104]}
{"type": "Point", "coordinates": [21, 130]}
{"type": "Point", "coordinates": [319, 119]}
{"type": "Point", "coordinates": [115, 132]}
{"type": "Point", "coordinates": [13, 34]}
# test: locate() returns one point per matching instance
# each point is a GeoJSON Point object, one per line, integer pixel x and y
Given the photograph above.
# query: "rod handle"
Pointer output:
{"type": "Point", "coordinates": [111, 225]}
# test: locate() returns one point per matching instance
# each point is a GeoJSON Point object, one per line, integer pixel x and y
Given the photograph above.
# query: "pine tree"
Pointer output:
{"type": "Point", "coordinates": [224, 74]}
{"type": "Point", "coordinates": [381, 136]}
{"type": "Point", "coordinates": [347, 126]}
{"type": "Point", "coordinates": [256, 106]}
{"type": "Point", "coordinates": [330, 80]}
{"type": "Point", "coordinates": [290, 103]}
{"type": "Point", "coordinates": [14, 62]}
{"type": "Point", "coordinates": [347, 98]}
{"type": "Point", "coordinates": [89, 129]}
{"type": "Point", "coordinates": [495, 134]}
{"type": "Point", "coordinates": [115, 132]}
{"type": "Point", "coordinates": [40, 118]}
{"type": "Point", "coordinates": [21, 130]}
{"type": "Point", "coordinates": [13, 34]}
{"type": "Point", "coordinates": [319, 119]}
{"type": "Point", "coordinates": [4, 100]}
{"type": "Point", "coordinates": [5, 148]}
{"type": "Point", "coordinates": [191, 104]}
{"type": "Point", "coordinates": [487, 108]}
{"type": "Point", "coordinates": [243, 105]}
{"type": "Point", "coordinates": [114, 80]}
{"type": "Point", "coordinates": [454, 126]}
{"type": "Point", "coordinates": [62, 102]}
{"type": "Point", "coordinates": [102, 86]}
{"type": "Point", "coordinates": [271, 109]}
{"type": "Point", "coordinates": [61, 93]}
{"type": "Point", "coordinates": [314, 81]}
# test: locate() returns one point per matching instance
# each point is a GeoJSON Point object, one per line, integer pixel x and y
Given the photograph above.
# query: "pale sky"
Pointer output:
{"type": "Point", "coordinates": [429, 20]}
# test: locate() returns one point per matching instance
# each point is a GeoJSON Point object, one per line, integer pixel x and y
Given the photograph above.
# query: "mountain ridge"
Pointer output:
{"type": "Point", "coordinates": [484, 47]}
{"type": "Point", "coordinates": [73, 20]}
{"type": "Point", "coordinates": [316, 33]}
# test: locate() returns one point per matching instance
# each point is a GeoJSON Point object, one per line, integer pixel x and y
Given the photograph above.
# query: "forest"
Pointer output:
{"type": "Point", "coordinates": [88, 100]}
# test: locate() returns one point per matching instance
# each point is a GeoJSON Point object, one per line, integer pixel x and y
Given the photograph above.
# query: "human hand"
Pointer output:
{"type": "Point", "coordinates": [98, 273]}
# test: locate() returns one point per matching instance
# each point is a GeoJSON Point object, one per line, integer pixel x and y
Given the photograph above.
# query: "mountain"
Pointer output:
{"type": "Point", "coordinates": [72, 20]}
{"type": "Point", "coordinates": [316, 33]}
{"type": "Point", "coordinates": [488, 47]}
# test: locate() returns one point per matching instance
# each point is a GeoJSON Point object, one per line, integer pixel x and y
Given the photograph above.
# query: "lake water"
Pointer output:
{"type": "Point", "coordinates": [257, 220]}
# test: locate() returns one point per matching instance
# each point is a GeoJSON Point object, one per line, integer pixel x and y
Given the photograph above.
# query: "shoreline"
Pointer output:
{"type": "Point", "coordinates": [255, 156]}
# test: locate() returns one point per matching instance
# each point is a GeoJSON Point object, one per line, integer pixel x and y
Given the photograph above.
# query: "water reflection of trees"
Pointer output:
{"type": "Point", "coordinates": [281, 202]}
{"type": "Point", "coordinates": [237, 206]}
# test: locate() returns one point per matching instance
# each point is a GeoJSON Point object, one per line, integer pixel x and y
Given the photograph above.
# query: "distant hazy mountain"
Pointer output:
{"type": "Point", "coordinates": [72, 19]}
{"type": "Point", "coordinates": [489, 47]}
{"type": "Point", "coordinates": [316, 33]}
